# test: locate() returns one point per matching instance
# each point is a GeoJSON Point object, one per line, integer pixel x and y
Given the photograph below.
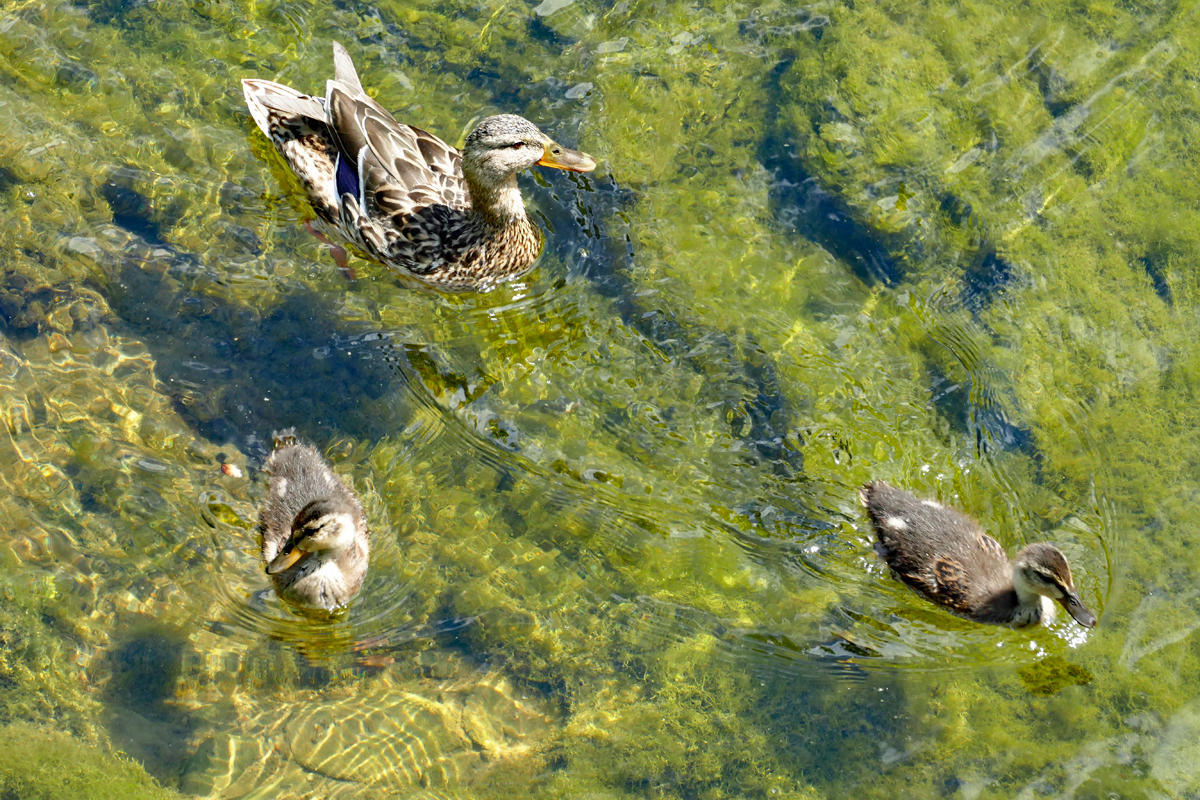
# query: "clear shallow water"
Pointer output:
{"type": "Point", "coordinates": [617, 550]}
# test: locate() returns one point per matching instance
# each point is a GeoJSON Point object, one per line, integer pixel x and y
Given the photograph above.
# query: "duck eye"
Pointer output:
{"type": "Point", "coordinates": [517, 145]}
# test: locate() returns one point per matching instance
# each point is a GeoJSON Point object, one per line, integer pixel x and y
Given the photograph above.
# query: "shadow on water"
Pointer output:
{"type": "Point", "coordinates": [585, 216]}
{"type": "Point", "coordinates": [969, 404]}
{"type": "Point", "coordinates": [240, 374]}
{"type": "Point", "coordinates": [130, 209]}
{"type": "Point", "coordinates": [806, 208]}
{"type": "Point", "coordinates": [143, 721]}
{"type": "Point", "coordinates": [817, 213]}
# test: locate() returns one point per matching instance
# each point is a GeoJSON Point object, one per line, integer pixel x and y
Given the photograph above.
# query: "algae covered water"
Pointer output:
{"type": "Point", "coordinates": [616, 545]}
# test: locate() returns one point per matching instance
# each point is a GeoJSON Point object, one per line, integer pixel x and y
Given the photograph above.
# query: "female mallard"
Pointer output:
{"type": "Point", "coordinates": [947, 557]}
{"type": "Point", "coordinates": [404, 196]}
{"type": "Point", "coordinates": [315, 541]}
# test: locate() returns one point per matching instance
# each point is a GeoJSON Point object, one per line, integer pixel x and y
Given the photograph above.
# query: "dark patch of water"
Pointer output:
{"type": "Point", "coordinates": [541, 32]}
{"type": "Point", "coordinates": [1153, 264]}
{"type": "Point", "coordinates": [8, 179]}
{"type": "Point", "coordinates": [142, 720]}
{"type": "Point", "coordinates": [75, 76]}
{"type": "Point", "coordinates": [985, 278]}
{"type": "Point", "coordinates": [110, 12]}
{"type": "Point", "coordinates": [131, 209]}
{"type": "Point", "coordinates": [981, 419]}
{"type": "Point", "coordinates": [806, 208]}
{"type": "Point", "coordinates": [25, 307]}
{"type": "Point", "coordinates": [1054, 88]}
{"type": "Point", "coordinates": [237, 375]}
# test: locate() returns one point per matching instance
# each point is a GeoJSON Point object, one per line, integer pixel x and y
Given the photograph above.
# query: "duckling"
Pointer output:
{"type": "Point", "coordinates": [315, 541]}
{"type": "Point", "coordinates": [946, 556]}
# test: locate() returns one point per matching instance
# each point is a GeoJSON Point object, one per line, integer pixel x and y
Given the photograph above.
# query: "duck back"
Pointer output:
{"type": "Point", "coordinates": [942, 553]}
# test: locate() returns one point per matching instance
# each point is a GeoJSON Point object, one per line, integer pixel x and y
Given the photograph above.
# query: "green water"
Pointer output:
{"type": "Point", "coordinates": [617, 551]}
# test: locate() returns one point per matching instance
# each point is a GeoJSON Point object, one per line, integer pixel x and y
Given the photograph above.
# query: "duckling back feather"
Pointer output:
{"type": "Point", "coordinates": [942, 553]}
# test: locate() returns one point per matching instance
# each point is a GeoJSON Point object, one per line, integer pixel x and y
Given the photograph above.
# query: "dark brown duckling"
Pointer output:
{"type": "Point", "coordinates": [315, 541]}
{"type": "Point", "coordinates": [946, 556]}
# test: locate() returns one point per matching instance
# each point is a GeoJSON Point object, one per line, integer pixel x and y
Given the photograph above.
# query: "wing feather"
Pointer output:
{"type": "Point", "coordinates": [345, 121]}
{"type": "Point", "coordinates": [440, 156]}
{"type": "Point", "coordinates": [344, 71]}
{"type": "Point", "coordinates": [949, 585]}
{"type": "Point", "coordinates": [991, 547]}
{"type": "Point", "coordinates": [396, 149]}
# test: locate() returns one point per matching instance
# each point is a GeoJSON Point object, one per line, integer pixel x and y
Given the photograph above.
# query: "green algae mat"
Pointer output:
{"type": "Point", "coordinates": [617, 550]}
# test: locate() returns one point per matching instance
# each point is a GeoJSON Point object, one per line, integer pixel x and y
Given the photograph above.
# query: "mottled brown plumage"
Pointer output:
{"type": "Point", "coordinates": [403, 196]}
{"type": "Point", "coordinates": [315, 541]}
{"type": "Point", "coordinates": [946, 556]}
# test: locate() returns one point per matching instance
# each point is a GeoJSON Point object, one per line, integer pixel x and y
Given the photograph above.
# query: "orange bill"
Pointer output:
{"type": "Point", "coordinates": [284, 560]}
{"type": "Point", "coordinates": [561, 157]}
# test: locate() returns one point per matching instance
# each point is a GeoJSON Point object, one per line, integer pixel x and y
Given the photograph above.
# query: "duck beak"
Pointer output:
{"type": "Point", "coordinates": [561, 157]}
{"type": "Point", "coordinates": [285, 560]}
{"type": "Point", "coordinates": [1075, 607]}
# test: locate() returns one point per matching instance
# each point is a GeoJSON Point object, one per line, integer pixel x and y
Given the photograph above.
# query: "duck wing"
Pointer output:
{"type": "Point", "coordinates": [391, 169]}
{"type": "Point", "coordinates": [295, 124]}
{"type": "Point", "coordinates": [947, 585]}
{"type": "Point", "coordinates": [270, 103]}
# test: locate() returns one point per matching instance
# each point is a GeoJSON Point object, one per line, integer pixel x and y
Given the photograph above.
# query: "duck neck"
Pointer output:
{"type": "Point", "coordinates": [499, 203]}
{"type": "Point", "coordinates": [327, 585]}
{"type": "Point", "coordinates": [1032, 607]}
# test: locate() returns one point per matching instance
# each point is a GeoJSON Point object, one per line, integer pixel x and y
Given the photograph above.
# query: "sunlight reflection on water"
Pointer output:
{"type": "Point", "coordinates": [616, 543]}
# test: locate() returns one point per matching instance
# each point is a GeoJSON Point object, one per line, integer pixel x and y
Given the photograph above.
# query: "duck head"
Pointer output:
{"type": "Point", "coordinates": [503, 145]}
{"type": "Point", "coordinates": [324, 527]}
{"type": "Point", "coordinates": [1042, 569]}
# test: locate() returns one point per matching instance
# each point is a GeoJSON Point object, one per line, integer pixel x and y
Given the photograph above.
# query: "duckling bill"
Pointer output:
{"type": "Point", "coordinates": [315, 541]}
{"type": "Point", "coordinates": [946, 556]}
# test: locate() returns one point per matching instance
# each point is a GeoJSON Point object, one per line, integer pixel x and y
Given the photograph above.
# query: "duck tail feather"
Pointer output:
{"type": "Point", "coordinates": [267, 99]}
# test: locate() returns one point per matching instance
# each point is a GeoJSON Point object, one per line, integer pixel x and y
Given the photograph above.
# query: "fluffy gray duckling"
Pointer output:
{"type": "Point", "coordinates": [946, 556]}
{"type": "Point", "coordinates": [315, 541]}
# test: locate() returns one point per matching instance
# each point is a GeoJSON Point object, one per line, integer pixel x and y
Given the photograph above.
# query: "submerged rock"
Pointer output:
{"type": "Point", "coordinates": [393, 738]}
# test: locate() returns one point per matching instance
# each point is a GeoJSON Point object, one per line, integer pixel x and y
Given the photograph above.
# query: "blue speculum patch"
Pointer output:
{"type": "Point", "coordinates": [347, 178]}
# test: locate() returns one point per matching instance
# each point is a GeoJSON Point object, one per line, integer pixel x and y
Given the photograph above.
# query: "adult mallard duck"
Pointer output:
{"type": "Point", "coordinates": [946, 556]}
{"type": "Point", "coordinates": [315, 541]}
{"type": "Point", "coordinates": [406, 198]}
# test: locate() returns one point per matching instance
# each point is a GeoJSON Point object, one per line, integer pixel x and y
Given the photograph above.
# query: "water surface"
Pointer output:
{"type": "Point", "coordinates": [617, 550]}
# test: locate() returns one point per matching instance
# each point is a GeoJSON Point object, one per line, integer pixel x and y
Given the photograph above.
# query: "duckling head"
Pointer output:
{"type": "Point", "coordinates": [1041, 571]}
{"type": "Point", "coordinates": [503, 145]}
{"type": "Point", "coordinates": [324, 527]}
